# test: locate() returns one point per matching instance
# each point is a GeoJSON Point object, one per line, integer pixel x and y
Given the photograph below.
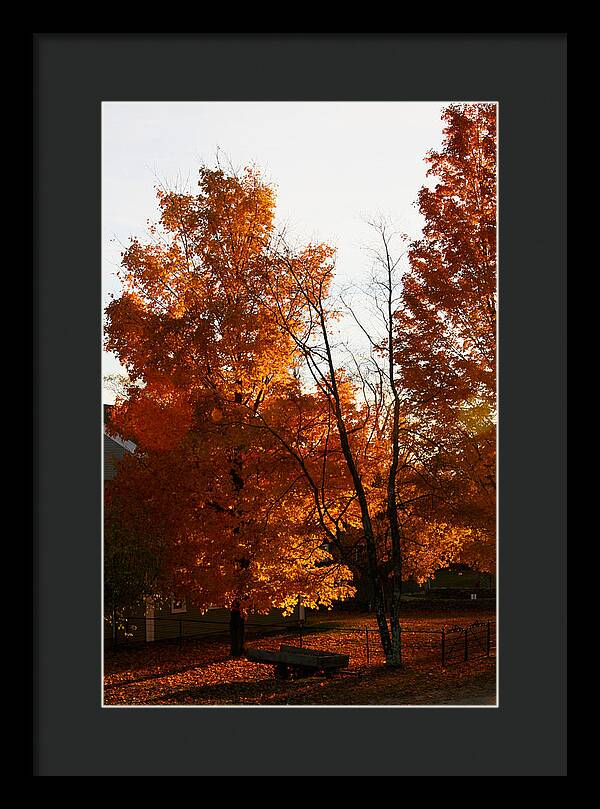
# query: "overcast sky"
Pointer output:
{"type": "Point", "coordinates": [334, 164]}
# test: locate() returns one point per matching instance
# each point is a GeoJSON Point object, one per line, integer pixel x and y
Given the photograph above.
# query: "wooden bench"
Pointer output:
{"type": "Point", "coordinates": [298, 662]}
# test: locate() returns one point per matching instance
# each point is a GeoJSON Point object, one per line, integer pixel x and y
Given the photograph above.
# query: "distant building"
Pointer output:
{"type": "Point", "coordinates": [461, 581]}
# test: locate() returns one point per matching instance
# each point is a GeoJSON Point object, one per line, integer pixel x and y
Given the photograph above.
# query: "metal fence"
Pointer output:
{"type": "Point", "coordinates": [449, 645]}
{"type": "Point", "coordinates": [144, 629]}
{"type": "Point", "coordinates": [458, 644]}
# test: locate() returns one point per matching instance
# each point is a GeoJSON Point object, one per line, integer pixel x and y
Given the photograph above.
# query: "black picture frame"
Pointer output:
{"type": "Point", "coordinates": [73, 74]}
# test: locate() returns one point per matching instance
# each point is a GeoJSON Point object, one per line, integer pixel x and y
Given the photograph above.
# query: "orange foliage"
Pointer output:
{"type": "Point", "coordinates": [446, 330]}
{"type": "Point", "coordinates": [195, 330]}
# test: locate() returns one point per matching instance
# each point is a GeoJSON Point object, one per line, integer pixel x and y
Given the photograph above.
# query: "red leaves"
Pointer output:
{"type": "Point", "coordinates": [446, 331]}
{"type": "Point", "coordinates": [202, 674]}
{"type": "Point", "coordinates": [446, 328]}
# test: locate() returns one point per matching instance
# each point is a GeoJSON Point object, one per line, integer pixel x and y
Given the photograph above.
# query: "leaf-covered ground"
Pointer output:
{"type": "Point", "coordinates": [201, 672]}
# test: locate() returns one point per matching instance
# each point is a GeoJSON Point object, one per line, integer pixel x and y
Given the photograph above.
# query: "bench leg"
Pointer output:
{"type": "Point", "coordinates": [300, 672]}
{"type": "Point", "coordinates": [281, 671]}
{"type": "Point", "coordinates": [331, 672]}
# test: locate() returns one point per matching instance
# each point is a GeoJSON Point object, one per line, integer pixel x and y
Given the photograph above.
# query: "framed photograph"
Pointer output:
{"type": "Point", "coordinates": [304, 325]}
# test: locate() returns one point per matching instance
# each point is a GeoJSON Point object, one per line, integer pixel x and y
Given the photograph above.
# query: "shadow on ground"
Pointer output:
{"type": "Point", "coordinates": [376, 687]}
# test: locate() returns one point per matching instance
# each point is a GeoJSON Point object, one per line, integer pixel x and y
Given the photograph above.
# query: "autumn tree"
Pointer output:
{"type": "Point", "coordinates": [445, 336]}
{"type": "Point", "coordinates": [193, 329]}
{"type": "Point", "coordinates": [362, 422]}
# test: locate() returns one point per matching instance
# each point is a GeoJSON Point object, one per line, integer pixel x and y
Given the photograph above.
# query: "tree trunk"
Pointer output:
{"type": "Point", "coordinates": [236, 632]}
{"type": "Point", "coordinates": [395, 530]}
{"type": "Point", "coordinates": [395, 658]}
{"type": "Point", "coordinates": [371, 548]}
{"type": "Point", "coordinates": [384, 633]}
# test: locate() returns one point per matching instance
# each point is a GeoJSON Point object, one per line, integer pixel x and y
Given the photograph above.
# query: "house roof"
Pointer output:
{"type": "Point", "coordinates": [115, 448]}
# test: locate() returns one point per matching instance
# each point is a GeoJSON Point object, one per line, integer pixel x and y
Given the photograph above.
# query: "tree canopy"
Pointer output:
{"type": "Point", "coordinates": [446, 329]}
{"type": "Point", "coordinates": [204, 356]}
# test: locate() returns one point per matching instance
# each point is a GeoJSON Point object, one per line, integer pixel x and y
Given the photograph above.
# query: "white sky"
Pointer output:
{"type": "Point", "coordinates": [334, 164]}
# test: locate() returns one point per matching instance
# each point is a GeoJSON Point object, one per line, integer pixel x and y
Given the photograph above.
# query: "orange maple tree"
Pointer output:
{"type": "Point", "coordinates": [446, 335]}
{"type": "Point", "coordinates": [204, 356]}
